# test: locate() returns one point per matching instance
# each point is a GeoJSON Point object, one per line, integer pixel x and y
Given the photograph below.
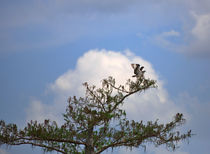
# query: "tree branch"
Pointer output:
{"type": "Point", "coordinates": [130, 93]}
{"type": "Point", "coordinates": [122, 90]}
{"type": "Point", "coordinates": [115, 144]}
{"type": "Point", "coordinates": [40, 145]}
{"type": "Point", "coordinates": [123, 99]}
{"type": "Point", "coordinates": [91, 92]}
{"type": "Point", "coordinates": [50, 139]}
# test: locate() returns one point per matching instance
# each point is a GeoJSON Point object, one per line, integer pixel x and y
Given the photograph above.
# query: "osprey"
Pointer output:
{"type": "Point", "coordinates": [138, 71]}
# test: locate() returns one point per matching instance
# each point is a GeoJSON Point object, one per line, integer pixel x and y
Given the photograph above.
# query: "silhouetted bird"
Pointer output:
{"type": "Point", "coordinates": [138, 71]}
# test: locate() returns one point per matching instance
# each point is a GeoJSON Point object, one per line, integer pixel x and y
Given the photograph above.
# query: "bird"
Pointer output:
{"type": "Point", "coordinates": [138, 71]}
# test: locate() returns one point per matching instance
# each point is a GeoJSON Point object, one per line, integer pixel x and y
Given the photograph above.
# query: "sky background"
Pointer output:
{"type": "Point", "coordinates": [49, 48]}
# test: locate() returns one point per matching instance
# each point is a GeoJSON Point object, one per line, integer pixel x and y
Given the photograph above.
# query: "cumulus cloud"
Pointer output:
{"type": "Point", "coordinates": [39, 111]}
{"type": "Point", "coordinates": [96, 65]}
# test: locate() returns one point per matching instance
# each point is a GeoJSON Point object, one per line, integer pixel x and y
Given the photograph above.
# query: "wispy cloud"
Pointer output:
{"type": "Point", "coordinates": [38, 24]}
{"type": "Point", "coordinates": [199, 43]}
{"type": "Point", "coordinates": [193, 41]}
{"type": "Point", "coordinates": [166, 39]}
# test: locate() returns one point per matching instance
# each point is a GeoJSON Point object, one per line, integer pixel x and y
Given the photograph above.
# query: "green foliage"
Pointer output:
{"type": "Point", "coordinates": [96, 122]}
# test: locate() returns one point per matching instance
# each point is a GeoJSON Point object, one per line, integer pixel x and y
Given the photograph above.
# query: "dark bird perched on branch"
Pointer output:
{"type": "Point", "coordinates": [138, 71]}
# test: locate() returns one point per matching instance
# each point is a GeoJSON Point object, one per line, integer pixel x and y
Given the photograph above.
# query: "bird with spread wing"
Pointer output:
{"type": "Point", "coordinates": [138, 71]}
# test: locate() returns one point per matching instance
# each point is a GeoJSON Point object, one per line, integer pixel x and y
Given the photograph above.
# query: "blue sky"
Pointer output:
{"type": "Point", "coordinates": [48, 48]}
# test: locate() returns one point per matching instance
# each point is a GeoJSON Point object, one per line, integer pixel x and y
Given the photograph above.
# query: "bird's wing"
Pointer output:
{"type": "Point", "coordinates": [142, 68]}
{"type": "Point", "coordinates": [133, 66]}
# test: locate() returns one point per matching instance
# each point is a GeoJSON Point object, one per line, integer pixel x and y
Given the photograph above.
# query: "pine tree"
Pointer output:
{"type": "Point", "coordinates": [96, 123]}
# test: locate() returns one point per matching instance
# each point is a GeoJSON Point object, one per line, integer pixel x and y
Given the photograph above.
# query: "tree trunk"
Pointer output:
{"type": "Point", "coordinates": [89, 148]}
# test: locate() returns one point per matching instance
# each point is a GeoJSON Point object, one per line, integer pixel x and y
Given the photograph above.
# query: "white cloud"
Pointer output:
{"type": "Point", "coordinates": [193, 40]}
{"type": "Point", "coordinates": [170, 33]}
{"type": "Point", "coordinates": [39, 111]}
{"type": "Point", "coordinates": [36, 111]}
{"type": "Point", "coordinates": [96, 65]}
{"type": "Point", "coordinates": [200, 32]}
{"type": "Point", "coordinates": [165, 39]}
